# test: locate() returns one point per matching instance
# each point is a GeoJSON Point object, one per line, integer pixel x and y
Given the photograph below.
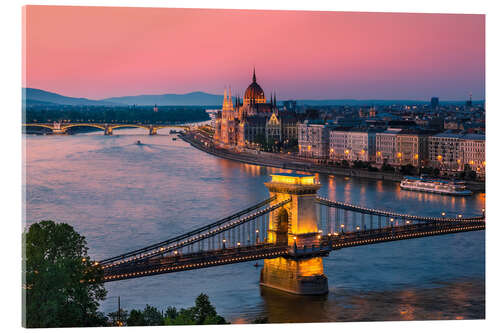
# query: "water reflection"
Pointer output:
{"type": "Point", "coordinates": [123, 196]}
{"type": "Point", "coordinates": [454, 300]}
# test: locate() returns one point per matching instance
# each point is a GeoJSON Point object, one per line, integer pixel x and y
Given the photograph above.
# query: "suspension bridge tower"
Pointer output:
{"type": "Point", "coordinates": [296, 225]}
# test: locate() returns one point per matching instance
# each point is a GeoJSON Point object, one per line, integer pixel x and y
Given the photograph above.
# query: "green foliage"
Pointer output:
{"type": "Point", "coordinates": [387, 167]}
{"type": "Point", "coordinates": [203, 313]}
{"type": "Point", "coordinates": [103, 114]}
{"type": "Point", "coordinates": [152, 316]}
{"type": "Point", "coordinates": [408, 169]}
{"type": "Point", "coordinates": [183, 317]}
{"type": "Point", "coordinates": [171, 312]}
{"type": "Point", "coordinates": [468, 173]}
{"type": "Point", "coordinates": [136, 318]}
{"type": "Point", "coordinates": [58, 274]}
{"type": "Point", "coordinates": [361, 165]}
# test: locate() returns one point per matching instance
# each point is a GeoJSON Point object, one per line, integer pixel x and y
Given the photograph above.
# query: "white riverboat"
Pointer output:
{"type": "Point", "coordinates": [434, 186]}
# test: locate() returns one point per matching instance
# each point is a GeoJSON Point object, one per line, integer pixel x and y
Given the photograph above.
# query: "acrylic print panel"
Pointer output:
{"type": "Point", "coordinates": [200, 166]}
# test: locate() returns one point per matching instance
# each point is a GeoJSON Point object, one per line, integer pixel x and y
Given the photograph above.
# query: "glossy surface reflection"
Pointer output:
{"type": "Point", "coordinates": [123, 196]}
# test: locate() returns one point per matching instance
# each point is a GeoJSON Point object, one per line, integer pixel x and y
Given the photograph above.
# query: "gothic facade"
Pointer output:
{"type": "Point", "coordinates": [253, 119]}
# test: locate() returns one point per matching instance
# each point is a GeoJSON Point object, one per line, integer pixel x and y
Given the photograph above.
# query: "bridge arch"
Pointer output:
{"type": "Point", "coordinates": [281, 223]}
{"type": "Point", "coordinates": [66, 127]}
{"type": "Point", "coordinates": [41, 126]}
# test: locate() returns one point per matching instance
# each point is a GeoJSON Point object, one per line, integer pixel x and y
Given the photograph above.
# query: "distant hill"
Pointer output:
{"type": "Point", "coordinates": [42, 96]}
{"type": "Point", "coordinates": [37, 102]}
{"type": "Point", "coordinates": [198, 98]}
{"type": "Point", "coordinates": [193, 98]}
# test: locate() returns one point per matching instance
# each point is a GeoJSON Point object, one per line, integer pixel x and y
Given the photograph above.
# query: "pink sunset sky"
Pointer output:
{"type": "Point", "coordinates": [100, 52]}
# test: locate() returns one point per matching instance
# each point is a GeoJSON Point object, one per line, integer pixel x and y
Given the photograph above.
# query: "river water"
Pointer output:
{"type": "Point", "coordinates": [122, 196]}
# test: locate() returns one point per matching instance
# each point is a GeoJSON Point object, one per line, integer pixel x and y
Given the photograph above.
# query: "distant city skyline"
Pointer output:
{"type": "Point", "coordinates": [102, 52]}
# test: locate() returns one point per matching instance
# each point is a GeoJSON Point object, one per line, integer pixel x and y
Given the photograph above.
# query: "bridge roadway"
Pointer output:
{"type": "Point", "coordinates": [328, 243]}
{"type": "Point", "coordinates": [176, 263]}
{"type": "Point", "coordinates": [62, 128]}
{"type": "Point", "coordinates": [377, 212]}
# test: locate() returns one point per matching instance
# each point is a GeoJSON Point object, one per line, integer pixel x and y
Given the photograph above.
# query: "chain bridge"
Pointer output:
{"type": "Point", "coordinates": [292, 231]}
{"type": "Point", "coordinates": [62, 128]}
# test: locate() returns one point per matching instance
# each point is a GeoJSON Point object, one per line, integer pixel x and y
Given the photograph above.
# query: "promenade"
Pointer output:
{"type": "Point", "coordinates": [203, 142]}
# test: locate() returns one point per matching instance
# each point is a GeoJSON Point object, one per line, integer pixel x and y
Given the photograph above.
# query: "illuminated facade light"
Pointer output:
{"type": "Point", "coordinates": [293, 179]}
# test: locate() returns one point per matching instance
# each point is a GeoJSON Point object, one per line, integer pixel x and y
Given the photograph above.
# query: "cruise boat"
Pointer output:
{"type": "Point", "coordinates": [434, 186]}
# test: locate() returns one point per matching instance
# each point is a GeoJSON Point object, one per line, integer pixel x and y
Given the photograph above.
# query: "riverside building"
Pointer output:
{"type": "Point", "coordinates": [352, 145]}
{"type": "Point", "coordinates": [313, 139]}
{"type": "Point", "coordinates": [253, 119]}
{"type": "Point", "coordinates": [386, 146]}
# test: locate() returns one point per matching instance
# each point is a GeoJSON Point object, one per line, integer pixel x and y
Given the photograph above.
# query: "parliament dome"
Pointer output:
{"type": "Point", "coordinates": [254, 93]}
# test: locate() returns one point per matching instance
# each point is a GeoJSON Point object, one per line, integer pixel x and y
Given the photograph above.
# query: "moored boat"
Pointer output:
{"type": "Point", "coordinates": [432, 185]}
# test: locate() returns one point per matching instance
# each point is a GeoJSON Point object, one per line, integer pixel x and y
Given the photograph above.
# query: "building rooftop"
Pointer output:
{"type": "Point", "coordinates": [472, 136]}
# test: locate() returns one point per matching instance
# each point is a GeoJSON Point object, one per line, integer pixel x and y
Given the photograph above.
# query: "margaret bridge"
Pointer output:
{"type": "Point", "coordinates": [62, 128]}
{"type": "Point", "coordinates": [292, 231]}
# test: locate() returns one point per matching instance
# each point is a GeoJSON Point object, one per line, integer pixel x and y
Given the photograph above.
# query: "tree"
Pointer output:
{"type": "Point", "coordinates": [152, 316]}
{"type": "Point", "coordinates": [203, 313]}
{"type": "Point", "coordinates": [407, 169]}
{"type": "Point", "coordinates": [387, 167]}
{"type": "Point", "coordinates": [61, 285]}
{"type": "Point", "coordinates": [204, 310]}
{"type": "Point", "coordinates": [136, 318]}
{"type": "Point", "coordinates": [171, 312]}
{"type": "Point", "coordinates": [183, 317]}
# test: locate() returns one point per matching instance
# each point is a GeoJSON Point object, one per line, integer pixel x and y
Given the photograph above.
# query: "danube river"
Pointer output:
{"type": "Point", "coordinates": [122, 196]}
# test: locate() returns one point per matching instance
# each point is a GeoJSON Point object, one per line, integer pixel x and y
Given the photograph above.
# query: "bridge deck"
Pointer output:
{"type": "Point", "coordinates": [389, 234]}
{"type": "Point", "coordinates": [170, 264]}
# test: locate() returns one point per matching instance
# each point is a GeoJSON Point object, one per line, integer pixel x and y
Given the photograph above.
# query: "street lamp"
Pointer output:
{"type": "Point", "coordinates": [118, 312]}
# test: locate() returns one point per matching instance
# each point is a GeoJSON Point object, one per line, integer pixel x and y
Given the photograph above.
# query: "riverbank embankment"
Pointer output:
{"type": "Point", "coordinates": [284, 161]}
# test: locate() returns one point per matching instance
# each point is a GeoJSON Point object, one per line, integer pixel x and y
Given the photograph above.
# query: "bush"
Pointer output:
{"type": "Point", "coordinates": [387, 167]}
{"type": "Point", "coordinates": [203, 313]}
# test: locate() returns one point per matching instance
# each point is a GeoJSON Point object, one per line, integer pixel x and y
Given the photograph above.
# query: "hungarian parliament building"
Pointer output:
{"type": "Point", "coordinates": [253, 120]}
